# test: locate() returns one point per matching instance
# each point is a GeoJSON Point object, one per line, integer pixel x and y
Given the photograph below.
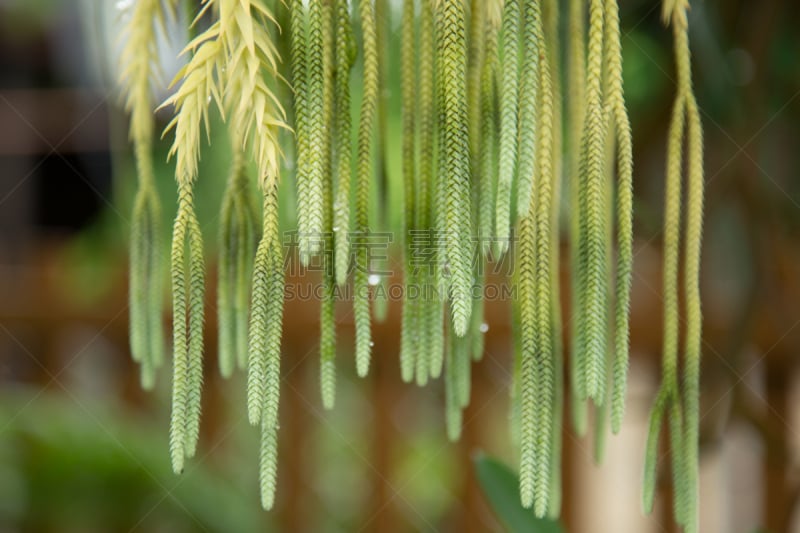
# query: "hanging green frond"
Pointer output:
{"type": "Point", "coordinates": [551, 35]}
{"type": "Point", "coordinates": [311, 203]}
{"type": "Point", "coordinates": [683, 409]}
{"type": "Point", "coordinates": [268, 472]}
{"type": "Point", "coordinates": [263, 377]}
{"type": "Point", "coordinates": [615, 102]}
{"type": "Point", "coordinates": [140, 61]}
{"type": "Point", "coordinates": [528, 86]}
{"type": "Point", "coordinates": [409, 341]}
{"type": "Point", "coordinates": [344, 57]}
{"type": "Point", "coordinates": [327, 320]}
{"type": "Point", "coordinates": [538, 356]}
{"type": "Point", "coordinates": [509, 114]}
{"type": "Point", "coordinates": [453, 413]}
{"type": "Point", "coordinates": [592, 245]}
{"type": "Point", "coordinates": [302, 125]}
{"type": "Point", "coordinates": [236, 248]}
{"type": "Point", "coordinates": [458, 239]}
{"type": "Point", "coordinates": [188, 293]}
{"type": "Point", "coordinates": [482, 142]}
{"type": "Point", "coordinates": [365, 171]}
{"type": "Point", "coordinates": [576, 76]}
{"type": "Point", "coordinates": [488, 166]}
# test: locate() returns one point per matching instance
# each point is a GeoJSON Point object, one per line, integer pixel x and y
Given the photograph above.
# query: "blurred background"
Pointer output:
{"type": "Point", "coordinates": [84, 449]}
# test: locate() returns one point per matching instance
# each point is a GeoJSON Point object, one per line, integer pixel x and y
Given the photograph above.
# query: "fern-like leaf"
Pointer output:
{"type": "Point", "coordinates": [593, 277]}
{"type": "Point", "coordinates": [140, 65]}
{"type": "Point", "coordinates": [365, 174]}
{"type": "Point", "coordinates": [509, 111]}
{"type": "Point", "coordinates": [489, 135]}
{"type": "Point", "coordinates": [268, 472]}
{"type": "Point", "coordinates": [344, 58]}
{"type": "Point", "coordinates": [458, 243]}
{"type": "Point", "coordinates": [327, 321]}
{"type": "Point", "coordinates": [409, 321]}
{"type": "Point", "coordinates": [263, 379]}
{"type": "Point", "coordinates": [624, 216]}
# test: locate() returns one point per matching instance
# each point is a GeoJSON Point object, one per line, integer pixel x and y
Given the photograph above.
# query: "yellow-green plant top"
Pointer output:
{"type": "Point", "coordinates": [140, 65]}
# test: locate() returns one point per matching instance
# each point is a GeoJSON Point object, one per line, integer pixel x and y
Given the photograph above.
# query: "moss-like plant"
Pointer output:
{"type": "Point", "coordinates": [680, 407]}
{"type": "Point", "coordinates": [140, 65]}
{"type": "Point", "coordinates": [481, 155]}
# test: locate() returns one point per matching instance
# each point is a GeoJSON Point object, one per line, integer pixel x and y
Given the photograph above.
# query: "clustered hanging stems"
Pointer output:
{"type": "Point", "coordinates": [480, 155]}
{"type": "Point", "coordinates": [680, 407]}
{"type": "Point", "coordinates": [140, 60]}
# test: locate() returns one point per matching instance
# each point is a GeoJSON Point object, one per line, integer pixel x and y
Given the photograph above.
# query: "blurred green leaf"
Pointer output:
{"type": "Point", "coordinates": [501, 487]}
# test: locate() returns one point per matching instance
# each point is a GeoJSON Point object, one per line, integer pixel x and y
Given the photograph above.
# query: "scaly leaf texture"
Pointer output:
{"type": "Point", "coordinates": [545, 183]}
{"type": "Point", "coordinates": [409, 338]}
{"type": "Point", "coordinates": [440, 188]}
{"type": "Point", "coordinates": [537, 322]}
{"type": "Point", "coordinates": [140, 65]}
{"type": "Point", "coordinates": [188, 292]}
{"type": "Point", "coordinates": [593, 275]}
{"type": "Point", "coordinates": [266, 318]}
{"type": "Point", "coordinates": [235, 252]}
{"type": "Point", "coordinates": [452, 49]}
{"type": "Point", "coordinates": [327, 342]}
{"type": "Point", "coordinates": [318, 165]}
{"type": "Point", "coordinates": [680, 479]}
{"type": "Point", "coordinates": [693, 243]}
{"type": "Point", "coordinates": [302, 123]}
{"type": "Point", "coordinates": [693, 240]}
{"type": "Point", "coordinates": [431, 352]}
{"type": "Point", "coordinates": [509, 115]}
{"type": "Point", "coordinates": [344, 57]}
{"type": "Point", "coordinates": [651, 452]}
{"type": "Point", "coordinates": [515, 390]}
{"type": "Point", "coordinates": [683, 410]}
{"type": "Point", "coordinates": [196, 314]}
{"type": "Point", "coordinates": [624, 211]}
{"type": "Point", "coordinates": [146, 284]}
{"type": "Point", "coordinates": [576, 78]}
{"type": "Point", "coordinates": [528, 372]}
{"type": "Point", "coordinates": [694, 317]}
{"type": "Point", "coordinates": [365, 172]}
{"type": "Point", "coordinates": [200, 83]}
{"type": "Point", "coordinates": [268, 472]}
{"type": "Point", "coordinates": [488, 166]}
{"type": "Point", "coordinates": [551, 29]}
{"type": "Point", "coordinates": [475, 59]}
{"type": "Point", "coordinates": [528, 83]}
{"type": "Point", "coordinates": [476, 56]}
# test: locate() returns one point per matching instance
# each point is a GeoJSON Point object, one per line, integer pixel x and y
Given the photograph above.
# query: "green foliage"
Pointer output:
{"type": "Point", "coordinates": [481, 146]}
{"type": "Point", "coordinates": [682, 407]}
{"type": "Point", "coordinates": [409, 342]}
{"type": "Point", "coordinates": [236, 249]}
{"type": "Point", "coordinates": [188, 293]}
{"type": "Point", "coordinates": [500, 487]}
{"type": "Point", "coordinates": [344, 56]}
{"type": "Point", "coordinates": [615, 103]}
{"type": "Point", "coordinates": [327, 320]}
{"type": "Point", "coordinates": [509, 113]}
{"type": "Point", "coordinates": [140, 60]}
{"type": "Point", "coordinates": [452, 51]}
{"type": "Point", "coordinates": [365, 170]}
{"type": "Point", "coordinates": [104, 470]}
